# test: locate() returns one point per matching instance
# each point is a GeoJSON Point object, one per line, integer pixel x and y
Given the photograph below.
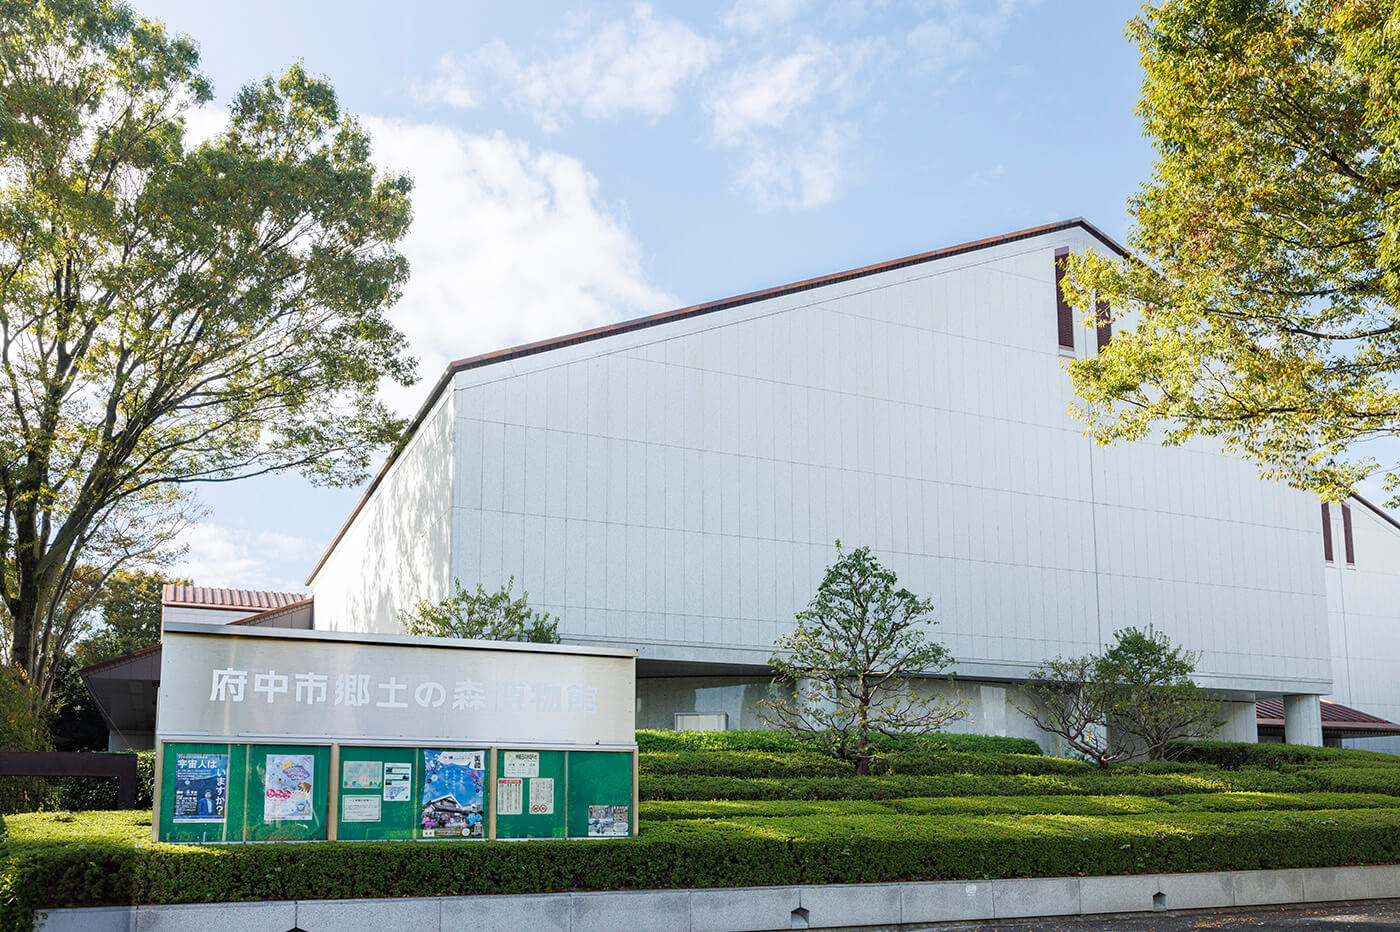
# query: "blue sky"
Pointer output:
{"type": "Point", "coordinates": [579, 164]}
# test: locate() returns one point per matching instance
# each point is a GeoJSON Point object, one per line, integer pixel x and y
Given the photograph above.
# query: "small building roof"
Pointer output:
{"type": "Point", "coordinates": [206, 597]}
{"type": "Point", "coordinates": [1337, 720]}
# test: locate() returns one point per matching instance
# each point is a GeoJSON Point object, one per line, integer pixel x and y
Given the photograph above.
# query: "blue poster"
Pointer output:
{"type": "Point", "coordinates": [453, 800]}
{"type": "Point", "coordinates": [201, 787]}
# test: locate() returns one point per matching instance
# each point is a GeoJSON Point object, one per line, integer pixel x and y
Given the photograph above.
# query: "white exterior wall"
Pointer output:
{"type": "Point", "coordinates": [395, 551]}
{"type": "Point", "coordinates": [678, 488]}
{"type": "Point", "coordinates": [217, 616]}
{"type": "Point", "coordinates": [1363, 614]}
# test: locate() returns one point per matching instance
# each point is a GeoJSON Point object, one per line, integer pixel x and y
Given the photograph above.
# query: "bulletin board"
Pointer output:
{"type": "Point", "coordinates": [530, 794]}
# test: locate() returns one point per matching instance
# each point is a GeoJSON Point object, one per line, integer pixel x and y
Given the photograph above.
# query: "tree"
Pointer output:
{"type": "Point", "coordinates": [130, 608]}
{"type": "Point", "coordinates": [1265, 292]}
{"type": "Point", "coordinates": [171, 312]}
{"type": "Point", "coordinates": [849, 660]}
{"type": "Point", "coordinates": [1152, 699]}
{"type": "Point", "coordinates": [22, 728]}
{"type": "Point", "coordinates": [1133, 700]}
{"type": "Point", "coordinates": [481, 615]}
{"type": "Point", "coordinates": [1066, 698]}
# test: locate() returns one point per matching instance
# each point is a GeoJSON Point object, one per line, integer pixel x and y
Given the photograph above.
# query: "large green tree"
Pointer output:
{"type": "Point", "coordinates": [173, 311]}
{"type": "Point", "coordinates": [1265, 292]}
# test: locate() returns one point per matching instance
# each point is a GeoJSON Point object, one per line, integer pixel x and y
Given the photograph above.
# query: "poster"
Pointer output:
{"type": "Point", "coordinates": [361, 774]}
{"type": "Point", "coordinates": [608, 821]}
{"type": "Point", "coordinates": [359, 808]}
{"type": "Point", "coordinates": [509, 798]}
{"type": "Point", "coordinates": [521, 764]}
{"type": "Point", "coordinates": [287, 790]}
{"type": "Point", "coordinates": [542, 796]}
{"type": "Point", "coordinates": [398, 783]}
{"type": "Point", "coordinates": [452, 804]}
{"type": "Point", "coordinates": [201, 787]}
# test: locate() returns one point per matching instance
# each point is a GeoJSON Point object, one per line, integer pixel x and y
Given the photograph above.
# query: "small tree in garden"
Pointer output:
{"type": "Point", "coordinates": [490, 616]}
{"type": "Point", "coordinates": [850, 658]}
{"type": "Point", "coordinates": [1151, 697]}
{"type": "Point", "coordinates": [1133, 700]}
{"type": "Point", "coordinates": [1067, 699]}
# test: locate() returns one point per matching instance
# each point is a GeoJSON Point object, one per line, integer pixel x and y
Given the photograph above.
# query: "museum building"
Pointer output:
{"type": "Point", "coordinates": [674, 485]}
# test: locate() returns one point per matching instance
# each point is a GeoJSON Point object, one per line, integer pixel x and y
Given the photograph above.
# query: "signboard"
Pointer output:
{"type": "Point", "coordinates": [359, 808]}
{"type": "Point", "coordinates": [201, 788]}
{"type": "Point", "coordinates": [287, 790]}
{"type": "Point", "coordinates": [224, 684]}
{"type": "Point", "coordinates": [398, 783]}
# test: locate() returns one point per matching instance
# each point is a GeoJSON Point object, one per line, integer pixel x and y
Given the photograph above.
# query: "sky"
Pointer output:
{"type": "Point", "coordinates": [577, 164]}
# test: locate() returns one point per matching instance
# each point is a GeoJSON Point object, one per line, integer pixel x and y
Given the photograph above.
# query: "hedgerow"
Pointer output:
{"type": "Point", "coordinates": [778, 741]}
{"type": "Point", "coordinates": [733, 851]}
{"type": "Point", "coordinates": [1233, 755]}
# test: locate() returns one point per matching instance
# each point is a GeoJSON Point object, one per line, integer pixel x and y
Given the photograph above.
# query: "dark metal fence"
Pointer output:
{"type": "Point", "coordinates": [75, 764]}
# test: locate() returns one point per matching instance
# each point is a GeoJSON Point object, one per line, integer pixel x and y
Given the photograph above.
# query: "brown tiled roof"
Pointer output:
{"type": "Point", "coordinates": [696, 310]}
{"type": "Point", "coordinates": [1334, 716]}
{"type": "Point", "coordinates": [205, 597]}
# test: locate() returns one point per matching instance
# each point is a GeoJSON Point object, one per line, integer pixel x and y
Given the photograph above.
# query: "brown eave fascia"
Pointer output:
{"type": "Point", "coordinates": [684, 313]}
{"type": "Point", "coordinates": [1378, 512]}
{"type": "Point", "coordinates": [114, 661]}
{"type": "Point", "coordinates": [272, 611]}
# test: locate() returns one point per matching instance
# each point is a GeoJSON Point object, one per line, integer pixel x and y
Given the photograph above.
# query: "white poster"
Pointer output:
{"type": "Point", "coordinates": [542, 796]}
{"type": "Point", "coordinates": [361, 774]}
{"type": "Point", "coordinates": [359, 808]}
{"type": "Point", "coordinates": [397, 783]}
{"type": "Point", "coordinates": [521, 764]}
{"type": "Point", "coordinates": [287, 788]}
{"type": "Point", "coordinates": [509, 796]}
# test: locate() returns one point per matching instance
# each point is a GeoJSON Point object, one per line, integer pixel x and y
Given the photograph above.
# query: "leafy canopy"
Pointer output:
{"type": "Point", "coordinates": [1132, 700]}
{"type": "Point", "coordinates": [844, 670]}
{"type": "Point", "coordinates": [173, 311]}
{"type": "Point", "coordinates": [1265, 293]}
{"type": "Point", "coordinates": [490, 616]}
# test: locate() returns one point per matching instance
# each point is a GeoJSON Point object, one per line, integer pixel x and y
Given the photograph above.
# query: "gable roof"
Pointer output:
{"type": "Point", "coordinates": [684, 313]}
{"type": "Point", "coordinates": [232, 599]}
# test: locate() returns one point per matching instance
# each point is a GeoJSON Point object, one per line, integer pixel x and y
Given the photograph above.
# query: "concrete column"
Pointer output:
{"type": "Point", "coordinates": [1241, 722]}
{"type": "Point", "coordinates": [1302, 720]}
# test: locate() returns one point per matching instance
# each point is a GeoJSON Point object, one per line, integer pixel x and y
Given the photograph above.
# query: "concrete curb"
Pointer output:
{"type": "Point", "coordinates": [756, 909]}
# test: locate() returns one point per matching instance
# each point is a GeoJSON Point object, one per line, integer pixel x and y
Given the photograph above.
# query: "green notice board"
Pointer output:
{"type": "Point", "coordinates": [286, 792]}
{"type": "Point", "coordinates": [201, 792]}
{"type": "Point", "coordinates": [530, 794]}
{"type": "Point", "coordinates": [599, 794]}
{"type": "Point", "coordinates": [378, 790]}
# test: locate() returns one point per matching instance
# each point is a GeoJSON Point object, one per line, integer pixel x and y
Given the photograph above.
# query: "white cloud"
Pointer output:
{"type": "Point", "coordinates": [764, 94]}
{"type": "Point", "coordinates": [246, 559]}
{"type": "Point", "coordinates": [959, 30]}
{"type": "Point", "coordinates": [509, 244]}
{"type": "Point", "coordinates": [626, 66]}
{"type": "Point", "coordinates": [757, 15]}
{"type": "Point", "coordinates": [803, 176]}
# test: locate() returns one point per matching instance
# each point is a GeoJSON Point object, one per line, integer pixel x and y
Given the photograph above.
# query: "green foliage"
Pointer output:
{"type": "Point", "coordinates": [849, 660]}
{"type": "Point", "coordinates": [771, 740]}
{"type": "Point", "coordinates": [173, 311]}
{"type": "Point", "coordinates": [1134, 699]}
{"type": "Point", "coordinates": [83, 794]}
{"type": "Point", "coordinates": [21, 729]}
{"type": "Point", "coordinates": [1233, 755]}
{"type": "Point", "coordinates": [130, 606]}
{"type": "Point", "coordinates": [859, 845]}
{"type": "Point", "coordinates": [491, 616]}
{"type": "Point", "coordinates": [1264, 293]}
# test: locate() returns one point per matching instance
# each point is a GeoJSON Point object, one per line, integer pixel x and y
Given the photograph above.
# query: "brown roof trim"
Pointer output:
{"type": "Point", "coordinates": [224, 598]}
{"type": "Point", "coordinates": [696, 310]}
{"type": "Point", "coordinates": [1378, 512]}
{"type": "Point", "coordinates": [118, 661]}
{"type": "Point", "coordinates": [280, 610]}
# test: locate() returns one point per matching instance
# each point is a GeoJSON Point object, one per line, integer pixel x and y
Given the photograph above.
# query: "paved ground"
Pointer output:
{"type": "Point", "coordinates": [1369, 916]}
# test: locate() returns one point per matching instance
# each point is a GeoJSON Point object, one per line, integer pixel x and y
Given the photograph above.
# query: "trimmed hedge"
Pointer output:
{"type": "Point", "coordinates": [649, 740]}
{"type": "Point", "coordinates": [1234, 755]}
{"type": "Point", "coordinates": [743, 764]}
{"type": "Point", "coordinates": [894, 786]}
{"type": "Point", "coordinates": [738, 851]}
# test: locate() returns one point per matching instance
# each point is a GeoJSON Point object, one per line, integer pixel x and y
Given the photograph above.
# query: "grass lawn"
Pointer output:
{"type": "Point", "coordinates": [740, 809]}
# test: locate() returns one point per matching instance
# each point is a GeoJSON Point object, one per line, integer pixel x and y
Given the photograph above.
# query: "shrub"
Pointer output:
{"type": "Point", "coordinates": [936, 761]}
{"type": "Point", "coordinates": [1233, 755]}
{"type": "Point", "coordinates": [649, 740]}
{"type": "Point", "coordinates": [733, 851]}
{"type": "Point", "coordinates": [84, 794]}
{"type": "Point", "coordinates": [743, 764]}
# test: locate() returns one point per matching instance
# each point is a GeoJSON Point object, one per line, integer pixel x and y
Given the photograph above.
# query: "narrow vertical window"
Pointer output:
{"type": "Point", "coordinates": [1103, 316]}
{"type": "Point", "coordinates": [1346, 535]}
{"type": "Point", "coordinates": [1326, 532]}
{"type": "Point", "coordinates": [1064, 313]}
